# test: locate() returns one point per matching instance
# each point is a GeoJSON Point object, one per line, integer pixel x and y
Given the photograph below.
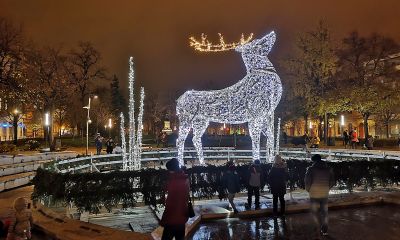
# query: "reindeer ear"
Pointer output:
{"type": "Point", "coordinates": [267, 42]}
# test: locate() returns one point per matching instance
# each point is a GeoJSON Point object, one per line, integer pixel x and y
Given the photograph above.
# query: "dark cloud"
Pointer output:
{"type": "Point", "coordinates": [156, 32]}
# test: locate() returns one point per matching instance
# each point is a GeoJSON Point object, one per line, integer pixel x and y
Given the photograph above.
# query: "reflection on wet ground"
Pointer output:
{"type": "Point", "coordinates": [366, 223]}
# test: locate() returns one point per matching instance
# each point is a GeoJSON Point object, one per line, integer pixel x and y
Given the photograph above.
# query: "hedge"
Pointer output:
{"type": "Point", "coordinates": [92, 191]}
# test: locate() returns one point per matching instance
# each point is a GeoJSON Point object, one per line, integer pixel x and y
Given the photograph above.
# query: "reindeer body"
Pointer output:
{"type": "Point", "coordinates": [253, 99]}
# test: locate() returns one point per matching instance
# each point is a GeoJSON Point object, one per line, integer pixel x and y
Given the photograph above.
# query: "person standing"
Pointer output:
{"type": "Point", "coordinates": [318, 180]}
{"type": "Point", "coordinates": [109, 145]}
{"type": "Point", "coordinates": [176, 212]}
{"type": "Point", "coordinates": [370, 142]}
{"type": "Point", "coordinates": [398, 141]}
{"type": "Point", "coordinates": [230, 181]}
{"type": "Point", "coordinates": [345, 138]}
{"type": "Point", "coordinates": [354, 139]}
{"type": "Point", "coordinates": [164, 139]}
{"type": "Point", "coordinates": [99, 143]}
{"type": "Point", "coordinates": [255, 176]}
{"type": "Point", "coordinates": [277, 181]}
{"type": "Point", "coordinates": [21, 221]}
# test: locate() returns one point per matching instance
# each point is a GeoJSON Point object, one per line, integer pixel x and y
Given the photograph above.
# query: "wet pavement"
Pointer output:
{"type": "Point", "coordinates": [366, 223]}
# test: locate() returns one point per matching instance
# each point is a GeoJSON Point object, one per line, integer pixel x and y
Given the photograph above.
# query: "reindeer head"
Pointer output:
{"type": "Point", "coordinates": [255, 53]}
{"type": "Point", "coordinates": [259, 46]}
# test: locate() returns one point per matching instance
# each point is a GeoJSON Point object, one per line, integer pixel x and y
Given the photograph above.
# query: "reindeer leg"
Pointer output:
{"type": "Point", "coordinates": [270, 137]}
{"type": "Point", "coordinates": [198, 129]}
{"type": "Point", "coordinates": [184, 130]}
{"type": "Point", "coordinates": [255, 132]}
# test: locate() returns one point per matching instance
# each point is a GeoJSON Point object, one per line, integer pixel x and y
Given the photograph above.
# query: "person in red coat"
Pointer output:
{"type": "Point", "coordinates": [176, 212]}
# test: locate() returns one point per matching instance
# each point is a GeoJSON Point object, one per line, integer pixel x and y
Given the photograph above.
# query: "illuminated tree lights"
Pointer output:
{"type": "Point", "coordinates": [123, 143]}
{"type": "Point", "coordinates": [253, 100]}
{"type": "Point", "coordinates": [132, 161]}
{"type": "Point", "coordinates": [138, 146]}
{"type": "Point", "coordinates": [131, 153]}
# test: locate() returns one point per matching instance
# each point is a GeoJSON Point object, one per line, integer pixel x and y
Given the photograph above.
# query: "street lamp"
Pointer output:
{"type": "Point", "coordinates": [15, 125]}
{"type": "Point", "coordinates": [47, 124]}
{"type": "Point", "coordinates": [109, 127]}
{"type": "Point", "coordinates": [88, 121]}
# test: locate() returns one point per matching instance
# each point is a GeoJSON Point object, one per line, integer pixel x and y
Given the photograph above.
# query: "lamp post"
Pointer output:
{"type": "Point", "coordinates": [15, 125]}
{"type": "Point", "coordinates": [47, 125]}
{"type": "Point", "coordinates": [88, 121]}
{"type": "Point", "coordinates": [109, 127]}
{"type": "Point", "coordinates": [342, 127]}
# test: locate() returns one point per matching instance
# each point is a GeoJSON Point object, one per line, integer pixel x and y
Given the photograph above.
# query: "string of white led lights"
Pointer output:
{"type": "Point", "coordinates": [253, 100]}
{"type": "Point", "coordinates": [123, 143]}
{"type": "Point", "coordinates": [132, 144]}
{"type": "Point", "coordinates": [138, 147]}
{"type": "Point", "coordinates": [278, 135]}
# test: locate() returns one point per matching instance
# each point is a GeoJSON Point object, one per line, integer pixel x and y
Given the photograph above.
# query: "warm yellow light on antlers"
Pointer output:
{"type": "Point", "coordinates": [206, 46]}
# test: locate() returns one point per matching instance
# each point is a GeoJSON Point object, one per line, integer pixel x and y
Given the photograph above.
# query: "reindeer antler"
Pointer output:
{"type": "Point", "coordinates": [206, 46]}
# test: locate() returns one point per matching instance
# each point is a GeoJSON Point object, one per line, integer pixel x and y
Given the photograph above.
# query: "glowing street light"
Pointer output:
{"type": "Point", "coordinates": [15, 125]}
{"type": "Point", "coordinates": [47, 119]}
{"type": "Point", "coordinates": [342, 120]}
{"type": "Point", "coordinates": [47, 125]}
{"type": "Point", "coordinates": [109, 127]}
{"type": "Point", "coordinates": [88, 121]}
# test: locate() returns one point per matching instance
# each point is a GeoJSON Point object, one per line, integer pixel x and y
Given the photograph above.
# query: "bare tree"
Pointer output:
{"type": "Point", "coordinates": [83, 69]}
{"type": "Point", "coordinates": [11, 55]}
{"type": "Point", "coordinates": [48, 82]}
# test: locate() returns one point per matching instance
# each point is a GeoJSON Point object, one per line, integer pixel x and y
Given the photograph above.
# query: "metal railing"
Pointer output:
{"type": "Point", "coordinates": [114, 161]}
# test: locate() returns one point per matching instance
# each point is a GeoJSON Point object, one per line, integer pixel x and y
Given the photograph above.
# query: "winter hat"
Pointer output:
{"type": "Point", "coordinates": [257, 162]}
{"type": "Point", "coordinates": [279, 162]}
{"type": "Point", "coordinates": [316, 158]}
{"type": "Point", "coordinates": [173, 165]}
{"type": "Point", "coordinates": [20, 204]}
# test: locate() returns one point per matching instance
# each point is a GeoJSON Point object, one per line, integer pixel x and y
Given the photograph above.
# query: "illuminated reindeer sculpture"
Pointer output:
{"type": "Point", "coordinates": [253, 99]}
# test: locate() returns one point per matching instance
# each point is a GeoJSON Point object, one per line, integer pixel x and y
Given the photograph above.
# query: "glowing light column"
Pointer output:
{"type": "Point", "coordinates": [123, 143]}
{"type": "Point", "coordinates": [278, 135]}
{"type": "Point", "coordinates": [138, 147]}
{"type": "Point", "coordinates": [131, 116]}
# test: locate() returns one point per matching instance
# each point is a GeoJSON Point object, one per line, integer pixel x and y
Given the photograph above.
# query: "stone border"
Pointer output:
{"type": "Point", "coordinates": [60, 227]}
{"type": "Point", "coordinates": [19, 170]}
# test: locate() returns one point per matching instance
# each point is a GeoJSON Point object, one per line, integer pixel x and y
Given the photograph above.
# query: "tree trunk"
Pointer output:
{"type": "Point", "coordinates": [387, 130]}
{"type": "Point", "coordinates": [326, 128]}
{"type": "Point", "coordinates": [320, 128]}
{"type": "Point", "coordinates": [51, 128]}
{"type": "Point", "coordinates": [366, 133]}
{"type": "Point", "coordinates": [15, 128]}
{"type": "Point", "coordinates": [306, 124]}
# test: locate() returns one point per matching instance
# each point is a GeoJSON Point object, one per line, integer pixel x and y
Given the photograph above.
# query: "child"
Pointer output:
{"type": "Point", "coordinates": [21, 221]}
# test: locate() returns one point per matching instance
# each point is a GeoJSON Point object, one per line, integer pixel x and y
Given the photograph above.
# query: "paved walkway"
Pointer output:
{"type": "Point", "coordinates": [364, 223]}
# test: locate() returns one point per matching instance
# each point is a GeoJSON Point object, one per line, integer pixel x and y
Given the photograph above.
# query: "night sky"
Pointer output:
{"type": "Point", "coordinates": [156, 32]}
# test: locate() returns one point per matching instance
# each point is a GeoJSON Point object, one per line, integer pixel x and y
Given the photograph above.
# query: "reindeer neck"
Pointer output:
{"type": "Point", "coordinates": [257, 63]}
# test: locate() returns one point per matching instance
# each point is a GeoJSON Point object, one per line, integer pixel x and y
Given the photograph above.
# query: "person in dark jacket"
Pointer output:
{"type": "Point", "coordinates": [230, 181]}
{"type": "Point", "coordinates": [346, 139]}
{"type": "Point", "coordinates": [176, 212]}
{"type": "Point", "coordinates": [109, 145]}
{"type": "Point", "coordinates": [99, 143]}
{"type": "Point", "coordinates": [277, 180]}
{"type": "Point", "coordinates": [255, 178]}
{"type": "Point", "coordinates": [319, 179]}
